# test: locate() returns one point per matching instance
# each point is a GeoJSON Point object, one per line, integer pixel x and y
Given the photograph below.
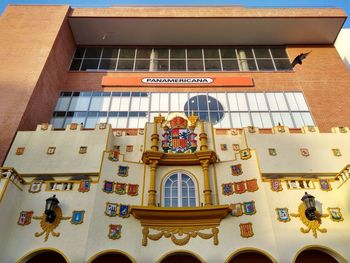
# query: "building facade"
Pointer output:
{"type": "Point", "coordinates": [173, 133]}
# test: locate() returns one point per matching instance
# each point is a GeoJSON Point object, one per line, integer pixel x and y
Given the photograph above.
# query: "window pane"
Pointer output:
{"type": "Point", "coordinates": [174, 102]}
{"type": "Point", "coordinates": [79, 52]}
{"type": "Point", "coordinates": [167, 202]}
{"type": "Point", "coordinates": [232, 100]}
{"type": "Point", "coordinates": [292, 102]}
{"type": "Point", "coordinates": [127, 53]}
{"type": "Point", "coordinates": [242, 104]}
{"type": "Point", "coordinates": [124, 103]}
{"type": "Point", "coordinates": [194, 53]}
{"type": "Point", "coordinates": [245, 119]}
{"type": "Point", "coordinates": [236, 120]}
{"type": "Point", "coordinates": [122, 122]}
{"type": "Point", "coordinates": [177, 53]}
{"type": "Point", "coordinates": [110, 53]}
{"type": "Point", "coordinates": [93, 52]}
{"type": "Point", "coordinates": [282, 64]}
{"type": "Point", "coordinates": [144, 101]}
{"type": "Point", "coordinates": [164, 102]}
{"type": "Point", "coordinates": [245, 53]}
{"type": "Point", "coordinates": [287, 119]}
{"type": "Point", "coordinates": [228, 53]}
{"type": "Point", "coordinates": [252, 102]}
{"type": "Point", "coordinates": [135, 103]}
{"type": "Point", "coordinates": [159, 65]}
{"type": "Point", "coordinates": [307, 118]}
{"type": "Point", "coordinates": [279, 52]}
{"type": "Point", "coordinates": [161, 53]}
{"type": "Point", "coordinates": [178, 65]}
{"type": "Point", "coordinates": [247, 64]}
{"type": "Point", "coordinates": [256, 120]}
{"type": "Point", "coordinates": [225, 121]}
{"type": "Point", "coordinates": [133, 122]}
{"type": "Point", "coordinates": [100, 103]}
{"type": "Point", "coordinates": [155, 102]}
{"type": "Point", "coordinates": [221, 98]}
{"type": "Point", "coordinates": [144, 53]}
{"type": "Point", "coordinates": [115, 103]}
{"type": "Point", "coordinates": [62, 104]}
{"type": "Point", "coordinates": [266, 120]}
{"type": "Point", "coordinates": [229, 65]}
{"type": "Point", "coordinates": [298, 119]}
{"type": "Point", "coordinates": [142, 65]}
{"type": "Point", "coordinates": [272, 101]}
{"type": "Point", "coordinates": [195, 65]}
{"type": "Point", "coordinates": [260, 98]}
{"type": "Point", "coordinates": [276, 117]}
{"type": "Point", "coordinates": [212, 65]}
{"type": "Point", "coordinates": [211, 53]}
{"type": "Point", "coordinates": [79, 103]}
{"type": "Point", "coordinates": [262, 53]}
{"type": "Point", "coordinates": [282, 105]}
{"type": "Point", "coordinates": [57, 122]}
{"type": "Point", "coordinates": [89, 64]}
{"type": "Point", "coordinates": [108, 64]}
{"type": "Point", "coordinates": [301, 101]}
{"type": "Point", "coordinates": [125, 65]}
{"type": "Point", "coordinates": [75, 64]}
{"type": "Point", "coordinates": [265, 64]}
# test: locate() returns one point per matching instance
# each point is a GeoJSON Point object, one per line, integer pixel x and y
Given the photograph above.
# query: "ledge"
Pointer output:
{"type": "Point", "coordinates": [192, 216]}
{"type": "Point", "coordinates": [179, 158]}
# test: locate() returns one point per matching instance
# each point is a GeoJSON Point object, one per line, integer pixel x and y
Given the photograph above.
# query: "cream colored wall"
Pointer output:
{"type": "Point", "coordinates": [66, 159]}
{"type": "Point", "coordinates": [79, 243]}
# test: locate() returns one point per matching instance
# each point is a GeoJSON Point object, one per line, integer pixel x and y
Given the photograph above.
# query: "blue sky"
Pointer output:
{"type": "Point", "coordinates": [345, 4]}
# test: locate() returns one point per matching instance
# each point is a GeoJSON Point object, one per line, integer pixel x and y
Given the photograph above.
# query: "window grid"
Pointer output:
{"type": "Point", "coordinates": [235, 115]}
{"type": "Point", "coordinates": [180, 183]}
{"type": "Point", "coordinates": [240, 59]}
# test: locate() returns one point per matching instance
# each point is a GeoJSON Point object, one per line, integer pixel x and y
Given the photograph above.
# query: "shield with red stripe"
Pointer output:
{"type": "Point", "coordinates": [246, 230]}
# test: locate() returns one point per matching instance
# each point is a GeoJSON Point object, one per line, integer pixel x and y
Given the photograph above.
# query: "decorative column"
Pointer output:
{"type": "Point", "coordinates": [203, 138]}
{"type": "Point", "coordinates": [207, 190]}
{"type": "Point", "coordinates": [155, 138]}
{"type": "Point", "coordinates": [152, 184]}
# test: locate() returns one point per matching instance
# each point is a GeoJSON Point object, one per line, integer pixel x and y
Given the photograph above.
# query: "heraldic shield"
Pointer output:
{"type": "Point", "coordinates": [179, 138]}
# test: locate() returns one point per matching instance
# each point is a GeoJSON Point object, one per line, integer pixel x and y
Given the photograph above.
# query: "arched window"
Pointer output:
{"type": "Point", "coordinates": [179, 190]}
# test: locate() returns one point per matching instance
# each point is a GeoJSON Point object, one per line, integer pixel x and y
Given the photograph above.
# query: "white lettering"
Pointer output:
{"type": "Point", "coordinates": [177, 80]}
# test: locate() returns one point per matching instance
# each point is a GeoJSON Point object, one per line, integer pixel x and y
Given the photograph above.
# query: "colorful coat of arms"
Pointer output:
{"type": "Point", "coordinates": [304, 152]}
{"type": "Point", "coordinates": [114, 154]}
{"type": "Point", "coordinates": [35, 186]}
{"type": "Point", "coordinates": [281, 128]}
{"type": "Point", "coordinates": [236, 147]}
{"type": "Point", "coordinates": [179, 138]}
{"type": "Point", "coordinates": [246, 230]}
{"type": "Point", "coordinates": [325, 185]}
{"type": "Point", "coordinates": [111, 209]}
{"type": "Point", "coordinates": [25, 218]}
{"type": "Point", "coordinates": [236, 209]}
{"type": "Point", "coordinates": [251, 129]}
{"type": "Point", "coordinates": [311, 128]}
{"type": "Point", "coordinates": [272, 152]}
{"type": "Point", "coordinates": [84, 186]}
{"type": "Point", "coordinates": [133, 189]}
{"type": "Point", "coordinates": [114, 231]}
{"type": "Point", "coordinates": [276, 185]}
{"type": "Point", "coordinates": [108, 187]}
{"type": "Point", "coordinates": [223, 147]}
{"type": "Point", "coordinates": [336, 152]}
{"type": "Point", "coordinates": [77, 217]}
{"type": "Point", "coordinates": [245, 154]}
{"type": "Point", "coordinates": [20, 150]}
{"type": "Point", "coordinates": [124, 211]}
{"type": "Point", "coordinates": [252, 185]}
{"type": "Point", "coordinates": [227, 189]}
{"type": "Point", "coordinates": [335, 214]}
{"type": "Point", "coordinates": [249, 208]}
{"type": "Point", "coordinates": [236, 169]}
{"type": "Point", "coordinates": [123, 170]}
{"type": "Point", "coordinates": [239, 187]}
{"type": "Point", "coordinates": [120, 188]}
{"type": "Point", "coordinates": [102, 125]}
{"type": "Point", "coordinates": [282, 214]}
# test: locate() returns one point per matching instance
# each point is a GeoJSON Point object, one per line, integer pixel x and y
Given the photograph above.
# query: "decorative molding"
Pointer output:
{"type": "Point", "coordinates": [174, 223]}
{"type": "Point", "coordinates": [313, 225]}
{"type": "Point", "coordinates": [48, 228]}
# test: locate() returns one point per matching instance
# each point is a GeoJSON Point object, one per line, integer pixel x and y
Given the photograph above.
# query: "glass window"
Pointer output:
{"type": "Point", "coordinates": [211, 53]}
{"type": "Point", "coordinates": [265, 64]}
{"type": "Point", "coordinates": [299, 97]}
{"type": "Point", "coordinates": [177, 53]}
{"type": "Point", "coordinates": [110, 52]}
{"type": "Point", "coordinates": [253, 105]}
{"type": "Point", "coordinates": [142, 65]}
{"type": "Point", "coordinates": [79, 103]}
{"type": "Point", "coordinates": [127, 53]}
{"type": "Point", "coordinates": [75, 64]}
{"type": "Point", "coordinates": [282, 64]}
{"type": "Point", "coordinates": [159, 65]}
{"type": "Point", "coordinates": [144, 53]}
{"type": "Point", "coordinates": [195, 65]}
{"type": "Point", "coordinates": [100, 103]}
{"type": "Point", "coordinates": [244, 53]}
{"type": "Point", "coordinates": [266, 120]}
{"type": "Point", "coordinates": [161, 53]}
{"type": "Point", "coordinates": [230, 65]}
{"type": "Point", "coordinates": [178, 65]}
{"type": "Point", "coordinates": [79, 52]}
{"type": "Point", "coordinates": [62, 104]}
{"type": "Point", "coordinates": [262, 53]}
{"type": "Point", "coordinates": [228, 53]}
{"type": "Point", "coordinates": [89, 64]}
{"type": "Point", "coordinates": [278, 52]}
{"type": "Point", "coordinates": [257, 120]}
{"type": "Point", "coordinates": [108, 64]}
{"type": "Point", "coordinates": [212, 65]}
{"type": "Point", "coordinates": [179, 190]}
{"type": "Point", "coordinates": [194, 53]}
{"type": "Point", "coordinates": [93, 52]}
{"type": "Point", "coordinates": [242, 103]}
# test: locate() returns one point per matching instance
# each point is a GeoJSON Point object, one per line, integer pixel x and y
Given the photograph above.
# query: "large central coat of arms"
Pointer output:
{"type": "Point", "coordinates": [179, 137]}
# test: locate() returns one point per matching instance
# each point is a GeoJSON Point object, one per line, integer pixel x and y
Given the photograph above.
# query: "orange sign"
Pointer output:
{"type": "Point", "coordinates": [177, 81]}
